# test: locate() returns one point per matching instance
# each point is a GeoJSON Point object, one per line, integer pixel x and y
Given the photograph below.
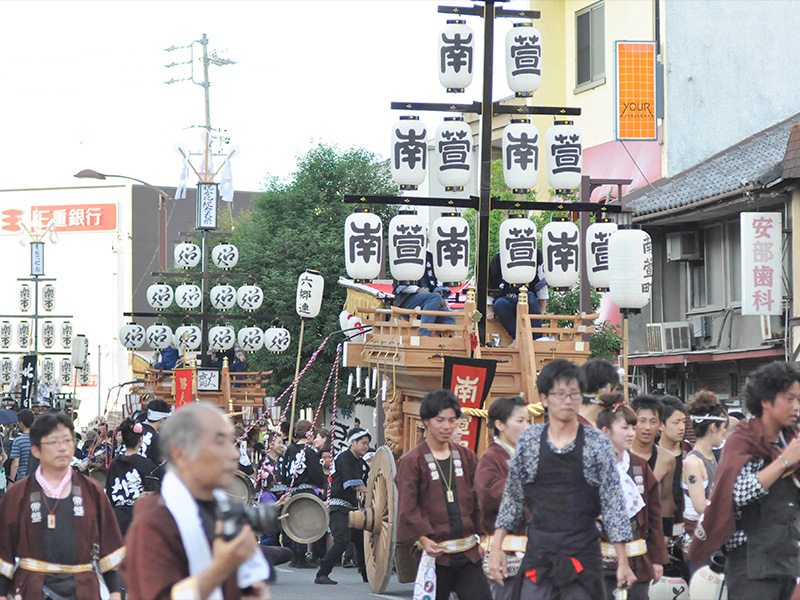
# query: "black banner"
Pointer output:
{"type": "Point", "coordinates": [27, 386]}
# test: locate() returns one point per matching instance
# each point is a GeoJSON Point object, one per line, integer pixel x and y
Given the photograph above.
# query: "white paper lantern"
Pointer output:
{"type": "Point", "coordinates": [48, 334]}
{"type": "Point", "coordinates": [6, 370]}
{"type": "Point", "coordinates": [521, 155]}
{"type": "Point", "coordinates": [222, 297]}
{"type": "Point", "coordinates": [131, 336]}
{"type": "Point", "coordinates": [705, 584]}
{"type": "Point", "coordinates": [225, 256]}
{"type": "Point", "coordinates": [49, 297]}
{"type": "Point", "coordinates": [454, 148]}
{"type": "Point", "coordinates": [188, 337]}
{"type": "Point", "coordinates": [597, 236]}
{"type": "Point", "coordinates": [249, 297]}
{"type": "Point", "coordinates": [24, 334]}
{"type": "Point", "coordinates": [251, 339]}
{"type": "Point", "coordinates": [561, 251]}
{"type": "Point", "coordinates": [25, 298]}
{"type": "Point", "coordinates": [518, 250]}
{"type": "Point", "coordinates": [277, 339]}
{"type": "Point", "coordinates": [456, 55]}
{"type": "Point", "coordinates": [48, 371]}
{"type": "Point", "coordinates": [188, 296]}
{"type": "Point", "coordinates": [84, 374]}
{"type": "Point", "coordinates": [671, 588]}
{"type": "Point", "coordinates": [564, 156]}
{"type": "Point", "coordinates": [407, 246]}
{"type": "Point", "coordinates": [159, 337]}
{"type": "Point", "coordinates": [310, 286]}
{"type": "Point", "coordinates": [450, 248]}
{"type": "Point", "coordinates": [357, 333]}
{"type": "Point", "coordinates": [630, 268]}
{"type": "Point", "coordinates": [524, 59]}
{"type": "Point", "coordinates": [186, 255]}
{"type": "Point", "coordinates": [66, 334]}
{"type": "Point", "coordinates": [65, 371]}
{"type": "Point", "coordinates": [159, 296]}
{"type": "Point", "coordinates": [6, 333]}
{"type": "Point", "coordinates": [221, 338]}
{"type": "Point", "coordinates": [363, 245]}
{"type": "Point", "coordinates": [409, 152]}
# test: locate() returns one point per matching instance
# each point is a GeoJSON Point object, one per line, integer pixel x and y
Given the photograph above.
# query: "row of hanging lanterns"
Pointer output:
{"type": "Point", "coordinates": [220, 337]}
{"type": "Point", "coordinates": [26, 298]}
{"type": "Point", "coordinates": [25, 334]}
{"type": "Point", "coordinates": [187, 255]}
{"type": "Point", "coordinates": [48, 371]}
{"type": "Point", "coordinates": [189, 296]}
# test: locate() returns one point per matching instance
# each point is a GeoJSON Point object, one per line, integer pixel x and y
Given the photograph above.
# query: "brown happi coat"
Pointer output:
{"type": "Point", "coordinates": [490, 481]}
{"type": "Point", "coordinates": [22, 521]}
{"type": "Point", "coordinates": [422, 506]}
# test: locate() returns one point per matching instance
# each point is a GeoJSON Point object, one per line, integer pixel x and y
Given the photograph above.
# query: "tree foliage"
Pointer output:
{"type": "Point", "coordinates": [298, 224]}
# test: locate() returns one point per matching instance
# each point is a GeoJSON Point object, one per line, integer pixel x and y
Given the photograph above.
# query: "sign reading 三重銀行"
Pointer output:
{"type": "Point", "coordinates": [762, 285]}
{"type": "Point", "coordinates": [636, 91]}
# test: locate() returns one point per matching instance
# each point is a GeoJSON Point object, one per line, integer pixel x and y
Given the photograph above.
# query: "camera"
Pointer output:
{"type": "Point", "coordinates": [263, 518]}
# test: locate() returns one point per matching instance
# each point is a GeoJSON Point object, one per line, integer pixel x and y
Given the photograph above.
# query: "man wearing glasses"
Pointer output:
{"type": "Point", "coordinates": [59, 524]}
{"type": "Point", "coordinates": [564, 473]}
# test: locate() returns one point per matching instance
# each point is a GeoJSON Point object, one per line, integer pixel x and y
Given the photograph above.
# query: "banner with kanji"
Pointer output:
{"type": "Point", "coordinates": [470, 379]}
{"type": "Point", "coordinates": [27, 387]}
{"type": "Point", "coordinates": [762, 285]}
{"type": "Point", "coordinates": [183, 386]}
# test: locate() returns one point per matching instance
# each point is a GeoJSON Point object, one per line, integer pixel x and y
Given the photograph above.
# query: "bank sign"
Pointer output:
{"type": "Point", "coordinates": [67, 218]}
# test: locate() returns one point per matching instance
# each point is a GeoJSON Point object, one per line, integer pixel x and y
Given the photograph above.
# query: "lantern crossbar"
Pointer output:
{"type": "Point", "coordinates": [40, 353]}
{"type": "Point", "coordinates": [199, 275]}
{"type": "Point", "coordinates": [581, 207]}
{"type": "Point", "coordinates": [471, 202]}
{"type": "Point", "coordinates": [30, 316]}
{"type": "Point", "coordinates": [475, 107]}
{"type": "Point", "coordinates": [224, 316]}
{"type": "Point", "coordinates": [478, 11]}
{"type": "Point", "coordinates": [36, 278]}
{"type": "Point", "coordinates": [510, 109]}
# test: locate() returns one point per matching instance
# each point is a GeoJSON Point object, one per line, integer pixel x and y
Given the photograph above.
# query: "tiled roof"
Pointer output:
{"type": "Point", "coordinates": [791, 161]}
{"type": "Point", "coordinates": [753, 162]}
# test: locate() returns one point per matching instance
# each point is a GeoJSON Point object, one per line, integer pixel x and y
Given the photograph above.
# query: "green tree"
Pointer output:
{"type": "Point", "coordinates": [298, 224]}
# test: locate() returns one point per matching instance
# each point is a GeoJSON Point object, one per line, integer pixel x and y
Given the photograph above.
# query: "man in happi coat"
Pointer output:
{"type": "Point", "coordinates": [173, 546]}
{"type": "Point", "coordinates": [59, 524]}
{"type": "Point", "coordinates": [563, 472]}
{"type": "Point", "coordinates": [427, 293]}
{"type": "Point", "coordinates": [349, 478]}
{"type": "Point", "coordinates": [157, 413]}
{"type": "Point", "coordinates": [437, 504]}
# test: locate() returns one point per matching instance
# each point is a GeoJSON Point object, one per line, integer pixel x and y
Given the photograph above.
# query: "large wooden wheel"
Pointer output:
{"type": "Point", "coordinates": [382, 497]}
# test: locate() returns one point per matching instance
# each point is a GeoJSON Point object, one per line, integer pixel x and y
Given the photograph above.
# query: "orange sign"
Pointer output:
{"type": "Point", "coordinates": [77, 217]}
{"type": "Point", "coordinates": [636, 91]}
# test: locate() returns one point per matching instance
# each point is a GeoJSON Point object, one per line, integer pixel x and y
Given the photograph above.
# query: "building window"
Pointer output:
{"type": "Point", "coordinates": [734, 262]}
{"type": "Point", "coordinates": [590, 36]}
{"type": "Point", "coordinates": [716, 281]}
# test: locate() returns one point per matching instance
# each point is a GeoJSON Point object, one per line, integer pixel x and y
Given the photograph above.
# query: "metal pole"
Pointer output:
{"type": "Point", "coordinates": [206, 84]}
{"type": "Point", "coordinates": [585, 297]}
{"type": "Point", "coordinates": [485, 199]}
{"type": "Point", "coordinates": [99, 395]}
{"type": "Point", "coordinates": [162, 234]}
{"type": "Point", "coordinates": [625, 353]}
{"type": "Point", "coordinates": [204, 359]}
{"type": "Point", "coordinates": [296, 374]}
{"type": "Point", "coordinates": [36, 318]}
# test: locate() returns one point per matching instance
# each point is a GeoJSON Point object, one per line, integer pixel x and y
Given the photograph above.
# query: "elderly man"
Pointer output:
{"type": "Point", "coordinates": [173, 551]}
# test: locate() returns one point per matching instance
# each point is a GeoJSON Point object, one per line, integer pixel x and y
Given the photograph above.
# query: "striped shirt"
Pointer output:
{"type": "Point", "coordinates": [21, 449]}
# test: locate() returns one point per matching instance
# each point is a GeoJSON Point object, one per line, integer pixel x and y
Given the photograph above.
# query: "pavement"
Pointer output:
{"type": "Point", "coordinates": [298, 584]}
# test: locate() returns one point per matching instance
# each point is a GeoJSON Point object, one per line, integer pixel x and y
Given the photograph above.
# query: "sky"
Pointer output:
{"type": "Point", "coordinates": [82, 83]}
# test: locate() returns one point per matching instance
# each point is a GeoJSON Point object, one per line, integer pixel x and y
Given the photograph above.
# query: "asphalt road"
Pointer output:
{"type": "Point", "coordinates": [298, 584]}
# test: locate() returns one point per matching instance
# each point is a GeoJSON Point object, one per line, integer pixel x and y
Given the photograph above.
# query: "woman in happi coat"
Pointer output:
{"type": "Point", "coordinates": [647, 554]}
{"type": "Point", "coordinates": [508, 417]}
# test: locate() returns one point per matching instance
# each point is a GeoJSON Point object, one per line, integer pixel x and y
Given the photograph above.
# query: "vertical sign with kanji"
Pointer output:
{"type": "Point", "coordinates": [470, 379]}
{"type": "Point", "coordinates": [37, 258]}
{"type": "Point", "coordinates": [206, 217]}
{"type": "Point", "coordinates": [762, 286]}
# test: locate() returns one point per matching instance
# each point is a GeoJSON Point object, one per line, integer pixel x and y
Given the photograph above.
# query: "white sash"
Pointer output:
{"type": "Point", "coordinates": [425, 584]}
{"type": "Point", "coordinates": [630, 493]}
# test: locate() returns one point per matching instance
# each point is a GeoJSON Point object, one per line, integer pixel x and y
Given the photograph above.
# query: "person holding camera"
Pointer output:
{"type": "Point", "coordinates": [173, 550]}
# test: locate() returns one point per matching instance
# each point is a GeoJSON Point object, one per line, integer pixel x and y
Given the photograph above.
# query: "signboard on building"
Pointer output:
{"type": "Point", "coordinates": [68, 218]}
{"type": "Point", "coordinates": [762, 286]}
{"type": "Point", "coordinates": [636, 91]}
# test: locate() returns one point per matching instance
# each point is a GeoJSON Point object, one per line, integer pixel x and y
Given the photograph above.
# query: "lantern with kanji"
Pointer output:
{"type": "Point", "coordinates": [563, 156]}
{"type": "Point", "coordinates": [518, 250]}
{"type": "Point", "coordinates": [24, 334]}
{"type": "Point", "coordinates": [65, 371]}
{"type": "Point", "coordinates": [630, 268]}
{"type": "Point", "coordinates": [456, 55]}
{"type": "Point", "coordinates": [561, 251]}
{"type": "Point", "coordinates": [66, 334]}
{"type": "Point", "coordinates": [159, 296]}
{"type": "Point", "coordinates": [521, 155]}
{"type": "Point", "coordinates": [597, 236]}
{"type": "Point", "coordinates": [48, 334]}
{"type": "Point", "coordinates": [222, 297]}
{"type": "Point", "coordinates": [249, 297]}
{"type": "Point", "coordinates": [363, 245]}
{"type": "Point", "coordinates": [454, 153]}
{"type": "Point", "coordinates": [84, 374]}
{"type": "Point", "coordinates": [159, 336]}
{"type": "Point", "coordinates": [407, 247]}
{"type": "Point", "coordinates": [310, 286]}
{"type": "Point", "coordinates": [221, 338]}
{"type": "Point", "coordinates": [25, 299]}
{"type": "Point", "coordinates": [48, 371]}
{"type": "Point", "coordinates": [450, 248]}
{"type": "Point", "coordinates": [357, 332]}
{"type": "Point", "coordinates": [6, 370]}
{"type": "Point", "coordinates": [524, 59]}
{"type": "Point", "coordinates": [131, 336]}
{"type": "Point", "coordinates": [188, 337]}
{"type": "Point", "coordinates": [188, 296]}
{"type": "Point", "coordinates": [225, 256]}
{"type": "Point", "coordinates": [251, 339]}
{"type": "Point", "coordinates": [186, 255]}
{"type": "Point", "coordinates": [48, 297]}
{"type": "Point", "coordinates": [6, 334]}
{"type": "Point", "coordinates": [277, 339]}
{"type": "Point", "coordinates": [409, 157]}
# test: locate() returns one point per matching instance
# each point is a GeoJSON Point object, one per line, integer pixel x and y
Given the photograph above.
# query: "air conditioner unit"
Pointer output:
{"type": "Point", "coordinates": [684, 245]}
{"type": "Point", "coordinates": [669, 337]}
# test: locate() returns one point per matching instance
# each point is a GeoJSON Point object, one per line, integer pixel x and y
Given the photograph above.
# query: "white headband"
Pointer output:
{"type": "Point", "coordinates": [357, 436]}
{"type": "Point", "coordinates": [154, 415]}
{"type": "Point", "coordinates": [701, 418]}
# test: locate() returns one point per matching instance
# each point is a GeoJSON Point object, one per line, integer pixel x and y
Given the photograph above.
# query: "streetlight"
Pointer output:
{"type": "Point", "coordinates": [162, 210]}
